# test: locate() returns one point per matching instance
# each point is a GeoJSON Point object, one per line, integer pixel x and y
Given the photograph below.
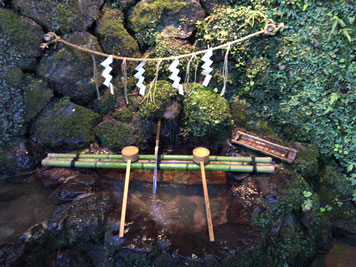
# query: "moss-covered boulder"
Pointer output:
{"type": "Point", "coordinates": [20, 40]}
{"type": "Point", "coordinates": [72, 15]}
{"type": "Point", "coordinates": [20, 155]}
{"type": "Point", "coordinates": [11, 105]}
{"type": "Point", "coordinates": [116, 135]}
{"type": "Point", "coordinates": [170, 18]}
{"type": "Point", "coordinates": [64, 125]}
{"type": "Point", "coordinates": [36, 95]}
{"type": "Point", "coordinates": [70, 70]}
{"type": "Point", "coordinates": [113, 36]}
{"type": "Point", "coordinates": [206, 113]}
{"type": "Point", "coordinates": [154, 109]}
{"type": "Point", "coordinates": [240, 112]}
{"type": "Point", "coordinates": [307, 160]}
{"type": "Point", "coordinates": [107, 102]}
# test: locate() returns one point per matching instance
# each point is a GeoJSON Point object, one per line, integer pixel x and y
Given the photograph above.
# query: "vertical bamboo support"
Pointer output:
{"type": "Point", "coordinates": [130, 153]}
{"type": "Point", "coordinates": [201, 155]}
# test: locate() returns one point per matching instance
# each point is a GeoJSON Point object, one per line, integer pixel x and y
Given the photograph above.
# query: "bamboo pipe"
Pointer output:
{"type": "Point", "coordinates": [171, 162]}
{"type": "Point", "coordinates": [201, 155]}
{"type": "Point", "coordinates": [162, 166]}
{"type": "Point", "coordinates": [163, 157]}
{"type": "Point", "coordinates": [130, 153]}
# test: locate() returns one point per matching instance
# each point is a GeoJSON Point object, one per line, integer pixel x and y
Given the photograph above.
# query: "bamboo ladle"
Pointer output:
{"type": "Point", "coordinates": [201, 156]}
{"type": "Point", "coordinates": [130, 154]}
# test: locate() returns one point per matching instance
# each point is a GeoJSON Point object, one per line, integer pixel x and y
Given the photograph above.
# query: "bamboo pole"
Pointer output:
{"type": "Point", "coordinates": [163, 157]}
{"type": "Point", "coordinates": [130, 153]}
{"type": "Point", "coordinates": [201, 155]}
{"type": "Point", "coordinates": [154, 188]}
{"type": "Point", "coordinates": [162, 166]}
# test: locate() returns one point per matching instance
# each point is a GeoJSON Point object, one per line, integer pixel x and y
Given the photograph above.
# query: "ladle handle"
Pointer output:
{"type": "Point", "coordinates": [124, 200]}
{"type": "Point", "coordinates": [207, 203]}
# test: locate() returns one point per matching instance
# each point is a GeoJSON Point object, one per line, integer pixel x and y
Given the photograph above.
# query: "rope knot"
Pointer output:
{"type": "Point", "coordinates": [272, 29]}
{"type": "Point", "coordinates": [50, 38]}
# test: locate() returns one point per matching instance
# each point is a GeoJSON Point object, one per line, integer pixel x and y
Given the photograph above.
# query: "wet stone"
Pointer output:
{"type": "Point", "coordinates": [67, 258]}
{"type": "Point", "coordinates": [56, 176]}
{"type": "Point", "coordinates": [69, 190]}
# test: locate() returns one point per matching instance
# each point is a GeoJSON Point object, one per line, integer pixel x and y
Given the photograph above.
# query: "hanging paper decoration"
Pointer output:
{"type": "Point", "coordinates": [106, 73]}
{"type": "Point", "coordinates": [206, 66]}
{"type": "Point", "coordinates": [140, 77]}
{"type": "Point", "coordinates": [174, 76]}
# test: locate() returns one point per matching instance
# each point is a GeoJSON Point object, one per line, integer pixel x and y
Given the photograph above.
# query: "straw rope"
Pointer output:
{"type": "Point", "coordinates": [51, 38]}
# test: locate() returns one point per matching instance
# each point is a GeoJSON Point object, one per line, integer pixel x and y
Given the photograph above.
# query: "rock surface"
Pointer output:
{"type": "Point", "coordinates": [71, 71]}
{"type": "Point", "coordinates": [20, 40]}
{"type": "Point", "coordinates": [65, 124]}
{"type": "Point", "coordinates": [171, 19]}
{"type": "Point", "coordinates": [73, 15]}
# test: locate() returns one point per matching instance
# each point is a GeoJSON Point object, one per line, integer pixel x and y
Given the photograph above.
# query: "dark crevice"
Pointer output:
{"type": "Point", "coordinates": [92, 28]}
{"type": "Point", "coordinates": [193, 37]}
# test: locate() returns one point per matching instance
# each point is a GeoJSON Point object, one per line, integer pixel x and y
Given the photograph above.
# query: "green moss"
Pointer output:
{"type": "Point", "coordinates": [240, 112]}
{"type": "Point", "coordinates": [106, 103]}
{"type": "Point", "coordinates": [20, 39]}
{"type": "Point", "coordinates": [123, 115]}
{"type": "Point", "coordinates": [155, 109]}
{"type": "Point", "coordinates": [14, 76]}
{"type": "Point", "coordinates": [113, 36]}
{"type": "Point", "coordinates": [307, 160]}
{"type": "Point", "coordinates": [146, 18]}
{"type": "Point", "coordinates": [36, 96]}
{"type": "Point", "coordinates": [291, 227]}
{"type": "Point", "coordinates": [333, 184]}
{"type": "Point", "coordinates": [206, 113]}
{"type": "Point", "coordinates": [65, 125]}
{"type": "Point", "coordinates": [115, 135]}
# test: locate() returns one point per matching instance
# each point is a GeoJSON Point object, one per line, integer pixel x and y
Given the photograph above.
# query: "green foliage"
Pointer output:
{"type": "Point", "coordinates": [206, 113]}
{"type": "Point", "coordinates": [303, 79]}
{"type": "Point", "coordinates": [287, 239]}
{"type": "Point", "coordinates": [155, 109]}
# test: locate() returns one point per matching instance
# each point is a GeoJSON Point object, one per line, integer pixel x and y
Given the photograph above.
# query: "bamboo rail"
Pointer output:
{"type": "Point", "coordinates": [163, 157]}
{"type": "Point", "coordinates": [162, 166]}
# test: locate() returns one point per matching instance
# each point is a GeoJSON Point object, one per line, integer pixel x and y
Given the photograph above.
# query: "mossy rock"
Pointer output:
{"type": "Point", "coordinates": [14, 77]}
{"type": "Point", "coordinates": [113, 36]}
{"type": "Point", "coordinates": [170, 18]}
{"type": "Point", "coordinates": [11, 105]}
{"type": "Point", "coordinates": [115, 135]}
{"type": "Point", "coordinates": [65, 125]}
{"type": "Point", "coordinates": [70, 70]}
{"type": "Point", "coordinates": [307, 160]}
{"type": "Point", "coordinates": [62, 16]}
{"type": "Point", "coordinates": [155, 109]}
{"type": "Point", "coordinates": [334, 184]}
{"type": "Point", "coordinates": [20, 40]}
{"type": "Point", "coordinates": [107, 102]}
{"type": "Point", "coordinates": [206, 113]}
{"type": "Point", "coordinates": [19, 156]}
{"type": "Point", "coordinates": [123, 114]}
{"type": "Point", "coordinates": [240, 112]}
{"type": "Point", "coordinates": [36, 95]}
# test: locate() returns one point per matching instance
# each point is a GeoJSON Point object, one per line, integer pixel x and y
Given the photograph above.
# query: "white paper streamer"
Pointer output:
{"type": "Point", "coordinates": [174, 76]}
{"type": "Point", "coordinates": [206, 67]}
{"type": "Point", "coordinates": [140, 77]}
{"type": "Point", "coordinates": [106, 73]}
